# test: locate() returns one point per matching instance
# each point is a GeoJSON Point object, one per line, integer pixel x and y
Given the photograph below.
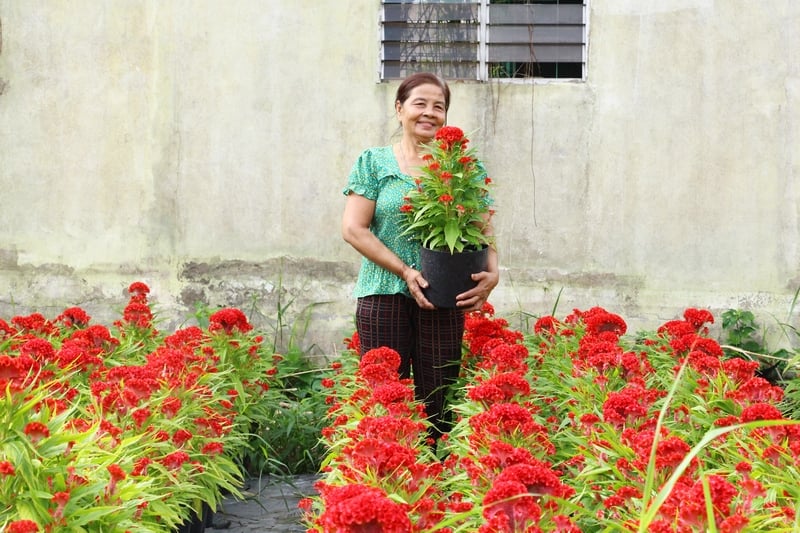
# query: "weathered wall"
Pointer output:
{"type": "Point", "coordinates": [201, 147]}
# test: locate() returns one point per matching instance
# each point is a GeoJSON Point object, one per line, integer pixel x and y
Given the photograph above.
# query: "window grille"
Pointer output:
{"type": "Point", "coordinates": [484, 39]}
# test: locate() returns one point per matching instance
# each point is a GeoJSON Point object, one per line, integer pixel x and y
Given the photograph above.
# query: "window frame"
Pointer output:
{"type": "Point", "coordinates": [392, 66]}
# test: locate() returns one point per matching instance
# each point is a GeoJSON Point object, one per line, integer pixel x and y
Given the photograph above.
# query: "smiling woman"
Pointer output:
{"type": "Point", "coordinates": [392, 310]}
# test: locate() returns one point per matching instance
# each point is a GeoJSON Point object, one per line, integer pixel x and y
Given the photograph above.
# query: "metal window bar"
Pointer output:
{"type": "Point", "coordinates": [482, 39]}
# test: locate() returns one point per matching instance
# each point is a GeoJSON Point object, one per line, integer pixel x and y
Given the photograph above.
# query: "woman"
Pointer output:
{"type": "Point", "coordinates": [392, 309]}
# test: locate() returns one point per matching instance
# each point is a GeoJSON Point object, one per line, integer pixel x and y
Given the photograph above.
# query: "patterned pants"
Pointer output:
{"type": "Point", "coordinates": [429, 344]}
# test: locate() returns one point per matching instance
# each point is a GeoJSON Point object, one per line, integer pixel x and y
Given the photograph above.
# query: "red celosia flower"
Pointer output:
{"type": "Point", "coordinates": [392, 392]}
{"type": "Point", "coordinates": [538, 478]}
{"type": "Point", "coordinates": [229, 320]}
{"type": "Point", "coordinates": [181, 437]}
{"type": "Point", "coordinates": [733, 524]}
{"type": "Point", "coordinates": [378, 374]}
{"type": "Point", "coordinates": [450, 135]}
{"type": "Point", "coordinates": [402, 430]}
{"type": "Point", "coordinates": [500, 356]}
{"type": "Point", "coordinates": [61, 499]}
{"type": "Point", "coordinates": [34, 323]}
{"type": "Point", "coordinates": [502, 387]}
{"type": "Point", "coordinates": [22, 526]}
{"type": "Point", "coordinates": [692, 510]}
{"type": "Point", "coordinates": [117, 473]}
{"type": "Point", "coordinates": [383, 356]}
{"type": "Point", "coordinates": [6, 329]}
{"type": "Point", "coordinates": [602, 322]}
{"type": "Point", "coordinates": [39, 349]}
{"type": "Point", "coordinates": [381, 457]}
{"type": "Point", "coordinates": [626, 406]}
{"type": "Point", "coordinates": [213, 448]}
{"type": "Point", "coordinates": [698, 317]}
{"type": "Point", "coordinates": [757, 390]}
{"type": "Point", "coordinates": [508, 420]}
{"type": "Point", "coordinates": [175, 460]}
{"type": "Point", "coordinates": [356, 507]}
{"type": "Point", "coordinates": [138, 290]}
{"type": "Point", "coordinates": [10, 368]}
{"type": "Point", "coordinates": [36, 431]}
{"type": "Point", "coordinates": [546, 324]}
{"type": "Point", "coordinates": [352, 343]}
{"type": "Point", "coordinates": [140, 416]}
{"type": "Point", "coordinates": [138, 314]}
{"type": "Point", "coordinates": [740, 370]}
{"type": "Point", "coordinates": [676, 329]}
{"type": "Point", "coordinates": [74, 316]}
{"type": "Point", "coordinates": [511, 500]}
{"type": "Point", "coordinates": [760, 411]}
{"type": "Point", "coordinates": [140, 466]}
{"type": "Point", "coordinates": [170, 406]}
{"type": "Point", "coordinates": [6, 468]}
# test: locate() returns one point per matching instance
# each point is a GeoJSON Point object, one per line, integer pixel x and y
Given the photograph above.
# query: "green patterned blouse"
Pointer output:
{"type": "Point", "coordinates": [376, 176]}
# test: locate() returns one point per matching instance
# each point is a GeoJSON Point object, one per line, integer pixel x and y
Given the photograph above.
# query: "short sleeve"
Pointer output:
{"type": "Point", "coordinates": [364, 179]}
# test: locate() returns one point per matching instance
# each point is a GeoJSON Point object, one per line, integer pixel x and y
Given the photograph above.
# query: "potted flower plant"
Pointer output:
{"type": "Point", "coordinates": [448, 213]}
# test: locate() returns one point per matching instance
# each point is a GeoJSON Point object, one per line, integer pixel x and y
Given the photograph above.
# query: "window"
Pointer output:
{"type": "Point", "coordinates": [484, 39]}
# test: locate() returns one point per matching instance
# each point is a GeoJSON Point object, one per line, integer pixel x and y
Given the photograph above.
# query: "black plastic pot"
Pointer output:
{"type": "Point", "coordinates": [448, 275]}
{"type": "Point", "coordinates": [195, 523]}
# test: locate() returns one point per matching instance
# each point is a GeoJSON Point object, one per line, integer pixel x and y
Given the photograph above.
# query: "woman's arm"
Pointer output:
{"type": "Point", "coordinates": [358, 213]}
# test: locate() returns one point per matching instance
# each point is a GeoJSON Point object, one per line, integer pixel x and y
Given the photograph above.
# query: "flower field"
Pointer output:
{"type": "Point", "coordinates": [574, 426]}
{"type": "Point", "coordinates": [124, 428]}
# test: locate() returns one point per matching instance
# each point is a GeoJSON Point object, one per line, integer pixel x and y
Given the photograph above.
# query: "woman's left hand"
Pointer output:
{"type": "Point", "coordinates": [473, 299]}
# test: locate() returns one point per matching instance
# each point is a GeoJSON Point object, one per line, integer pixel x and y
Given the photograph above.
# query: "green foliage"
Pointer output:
{"type": "Point", "coordinates": [741, 331]}
{"type": "Point", "coordinates": [744, 336]}
{"type": "Point", "coordinates": [284, 437]}
{"type": "Point", "coordinates": [291, 432]}
{"type": "Point", "coordinates": [449, 207]}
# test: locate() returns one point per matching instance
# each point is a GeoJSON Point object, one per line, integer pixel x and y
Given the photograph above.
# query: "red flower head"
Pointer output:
{"type": "Point", "coordinates": [510, 501]}
{"type": "Point", "coordinates": [698, 317]}
{"type": "Point", "coordinates": [138, 289]}
{"type": "Point", "coordinates": [117, 473]}
{"type": "Point", "coordinates": [446, 198]}
{"type": "Point", "coordinates": [38, 349]}
{"type": "Point", "coordinates": [138, 314]}
{"type": "Point", "coordinates": [36, 431]}
{"type": "Point", "coordinates": [6, 469]}
{"type": "Point", "coordinates": [61, 499]}
{"type": "Point", "coordinates": [448, 136]}
{"type": "Point", "coordinates": [229, 320]}
{"type": "Point", "coordinates": [181, 437]}
{"type": "Point", "coordinates": [170, 406]}
{"type": "Point", "coordinates": [22, 526]}
{"type": "Point", "coordinates": [34, 323]}
{"type": "Point", "coordinates": [355, 507]}
{"type": "Point", "coordinates": [175, 460]}
{"type": "Point", "coordinates": [74, 316]}
{"type": "Point", "coordinates": [380, 356]}
{"type": "Point", "coordinates": [213, 448]}
{"type": "Point", "coordinates": [352, 343]}
{"type": "Point", "coordinates": [602, 321]}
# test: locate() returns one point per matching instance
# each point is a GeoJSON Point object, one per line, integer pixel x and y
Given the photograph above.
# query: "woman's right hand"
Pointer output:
{"type": "Point", "coordinates": [416, 282]}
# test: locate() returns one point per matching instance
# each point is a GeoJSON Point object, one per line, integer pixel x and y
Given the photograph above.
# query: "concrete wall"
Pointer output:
{"type": "Point", "coordinates": [201, 146]}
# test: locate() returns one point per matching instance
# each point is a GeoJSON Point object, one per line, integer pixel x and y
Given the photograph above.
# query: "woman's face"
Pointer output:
{"type": "Point", "coordinates": [423, 112]}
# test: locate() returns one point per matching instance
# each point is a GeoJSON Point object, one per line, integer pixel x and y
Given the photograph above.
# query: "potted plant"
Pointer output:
{"type": "Point", "coordinates": [448, 213]}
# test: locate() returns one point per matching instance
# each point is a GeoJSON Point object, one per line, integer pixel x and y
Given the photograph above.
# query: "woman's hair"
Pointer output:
{"type": "Point", "coordinates": [421, 78]}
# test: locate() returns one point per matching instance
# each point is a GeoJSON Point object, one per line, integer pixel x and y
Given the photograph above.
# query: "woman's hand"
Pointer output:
{"type": "Point", "coordinates": [416, 283]}
{"type": "Point", "coordinates": [473, 299]}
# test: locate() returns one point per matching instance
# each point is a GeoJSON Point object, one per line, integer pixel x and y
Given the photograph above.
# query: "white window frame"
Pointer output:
{"type": "Point", "coordinates": [405, 24]}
